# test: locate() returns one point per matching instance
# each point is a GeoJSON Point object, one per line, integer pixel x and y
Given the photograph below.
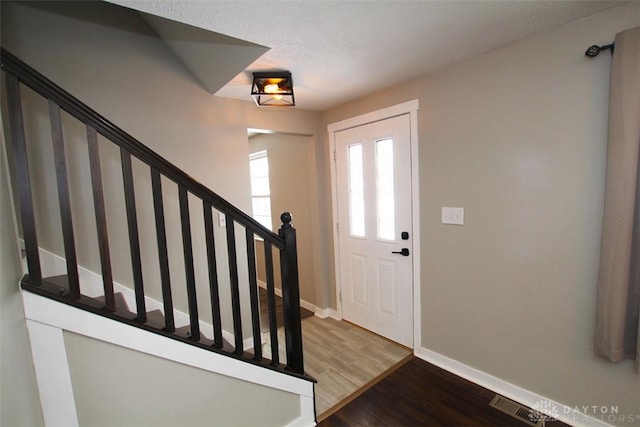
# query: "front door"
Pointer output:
{"type": "Point", "coordinates": [373, 176]}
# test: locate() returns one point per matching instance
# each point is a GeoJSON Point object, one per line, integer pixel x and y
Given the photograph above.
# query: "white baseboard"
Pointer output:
{"type": "Point", "coordinates": [307, 305]}
{"type": "Point", "coordinates": [55, 265]}
{"type": "Point", "coordinates": [278, 292]}
{"type": "Point", "coordinates": [323, 313]}
{"type": "Point", "coordinates": [545, 405]}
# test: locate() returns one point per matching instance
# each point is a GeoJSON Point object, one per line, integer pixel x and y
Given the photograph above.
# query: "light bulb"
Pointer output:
{"type": "Point", "coordinates": [271, 88]}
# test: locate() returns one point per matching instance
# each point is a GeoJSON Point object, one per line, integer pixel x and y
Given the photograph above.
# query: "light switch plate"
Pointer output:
{"type": "Point", "coordinates": [222, 219]}
{"type": "Point", "coordinates": [453, 216]}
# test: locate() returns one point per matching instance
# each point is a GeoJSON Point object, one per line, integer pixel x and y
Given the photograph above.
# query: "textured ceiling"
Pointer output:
{"type": "Point", "coordinates": [212, 57]}
{"type": "Point", "coordinates": [338, 51]}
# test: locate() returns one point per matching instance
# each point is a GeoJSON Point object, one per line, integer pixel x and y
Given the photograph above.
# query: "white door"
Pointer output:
{"type": "Point", "coordinates": [373, 168]}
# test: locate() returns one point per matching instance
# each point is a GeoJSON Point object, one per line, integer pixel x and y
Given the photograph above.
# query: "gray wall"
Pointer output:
{"type": "Point", "coordinates": [517, 137]}
{"type": "Point", "coordinates": [291, 165]}
{"type": "Point", "coordinates": [115, 386]}
{"type": "Point", "coordinates": [20, 404]}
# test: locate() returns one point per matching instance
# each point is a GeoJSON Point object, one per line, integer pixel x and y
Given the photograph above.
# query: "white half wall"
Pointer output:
{"type": "Point", "coordinates": [88, 333]}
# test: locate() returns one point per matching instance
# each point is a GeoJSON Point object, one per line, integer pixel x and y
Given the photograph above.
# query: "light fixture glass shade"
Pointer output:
{"type": "Point", "coordinates": [273, 89]}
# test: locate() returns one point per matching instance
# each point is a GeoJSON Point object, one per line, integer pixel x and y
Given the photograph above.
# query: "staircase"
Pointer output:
{"type": "Point", "coordinates": [230, 272]}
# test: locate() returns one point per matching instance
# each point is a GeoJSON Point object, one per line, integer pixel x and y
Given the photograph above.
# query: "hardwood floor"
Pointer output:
{"type": "Point", "coordinates": [421, 394]}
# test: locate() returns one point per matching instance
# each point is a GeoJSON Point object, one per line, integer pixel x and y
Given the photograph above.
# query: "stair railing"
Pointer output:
{"type": "Point", "coordinates": [17, 73]}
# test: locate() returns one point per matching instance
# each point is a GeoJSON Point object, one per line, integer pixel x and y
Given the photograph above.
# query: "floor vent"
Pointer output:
{"type": "Point", "coordinates": [516, 410]}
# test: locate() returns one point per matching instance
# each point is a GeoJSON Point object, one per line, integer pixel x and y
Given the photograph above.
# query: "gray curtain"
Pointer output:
{"type": "Point", "coordinates": [617, 328]}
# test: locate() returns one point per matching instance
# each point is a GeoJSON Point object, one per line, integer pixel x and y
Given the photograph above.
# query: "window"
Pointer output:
{"type": "Point", "coordinates": [260, 190]}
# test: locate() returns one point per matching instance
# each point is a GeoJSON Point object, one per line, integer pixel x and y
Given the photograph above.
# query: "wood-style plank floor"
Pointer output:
{"type": "Point", "coordinates": [344, 358]}
{"type": "Point", "coordinates": [421, 394]}
{"type": "Point", "coordinates": [341, 356]}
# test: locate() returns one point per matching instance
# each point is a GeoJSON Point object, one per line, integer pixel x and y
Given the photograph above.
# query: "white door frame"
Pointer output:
{"type": "Point", "coordinates": [411, 108]}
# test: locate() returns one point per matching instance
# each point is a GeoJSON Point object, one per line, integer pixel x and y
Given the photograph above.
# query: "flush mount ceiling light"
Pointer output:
{"type": "Point", "coordinates": [273, 89]}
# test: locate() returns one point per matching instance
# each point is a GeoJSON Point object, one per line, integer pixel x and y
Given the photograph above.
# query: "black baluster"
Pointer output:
{"type": "Point", "coordinates": [188, 264]}
{"type": "Point", "coordinates": [64, 201]}
{"type": "Point", "coordinates": [271, 303]}
{"type": "Point", "coordinates": [213, 275]}
{"type": "Point", "coordinates": [163, 257]}
{"type": "Point", "coordinates": [23, 182]}
{"type": "Point", "coordinates": [101, 218]}
{"type": "Point", "coordinates": [235, 290]}
{"type": "Point", "coordinates": [253, 295]}
{"type": "Point", "coordinates": [134, 240]}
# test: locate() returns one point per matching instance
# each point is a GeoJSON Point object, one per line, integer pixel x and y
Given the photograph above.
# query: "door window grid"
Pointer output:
{"type": "Point", "coordinates": [260, 189]}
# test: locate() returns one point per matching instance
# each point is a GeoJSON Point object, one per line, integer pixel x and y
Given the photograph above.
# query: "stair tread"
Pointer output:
{"type": "Point", "coordinates": [185, 332]}
{"type": "Point", "coordinates": [59, 285]}
{"type": "Point", "coordinates": [62, 281]}
{"type": "Point", "coordinates": [155, 319]}
{"type": "Point", "coordinates": [122, 308]}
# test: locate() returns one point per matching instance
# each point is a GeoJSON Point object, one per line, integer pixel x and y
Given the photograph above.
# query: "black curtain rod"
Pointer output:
{"type": "Point", "coordinates": [595, 50]}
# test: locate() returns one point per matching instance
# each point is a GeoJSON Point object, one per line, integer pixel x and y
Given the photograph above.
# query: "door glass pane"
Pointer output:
{"type": "Point", "coordinates": [356, 191]}
{"type": "Point", "coordinates": [384, 190]}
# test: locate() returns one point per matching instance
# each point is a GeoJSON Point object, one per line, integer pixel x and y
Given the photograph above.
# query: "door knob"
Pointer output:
{"type": "Point", "coordinates": [403, 252]}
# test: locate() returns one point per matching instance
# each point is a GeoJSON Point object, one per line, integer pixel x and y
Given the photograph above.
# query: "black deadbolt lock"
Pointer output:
{"type": "Point", "coordinates": [404, 235]}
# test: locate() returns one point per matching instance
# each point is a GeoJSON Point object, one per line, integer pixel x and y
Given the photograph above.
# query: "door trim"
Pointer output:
{"type": "Point", "coordinates": [411, 108]}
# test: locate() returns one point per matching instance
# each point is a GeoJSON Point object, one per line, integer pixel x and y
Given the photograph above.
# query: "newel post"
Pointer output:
{"type": "Point", "coordinates": [291, 295]}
